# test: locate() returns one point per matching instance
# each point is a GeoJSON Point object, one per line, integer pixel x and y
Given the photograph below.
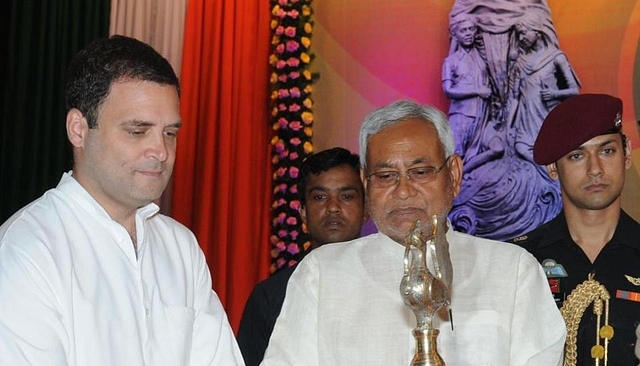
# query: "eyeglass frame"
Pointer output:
{"type": "Point", "coordinates": [407, 173]}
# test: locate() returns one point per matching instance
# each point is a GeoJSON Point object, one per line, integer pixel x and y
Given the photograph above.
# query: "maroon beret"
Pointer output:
{"type": "Point", "coordinates": [575, 121]}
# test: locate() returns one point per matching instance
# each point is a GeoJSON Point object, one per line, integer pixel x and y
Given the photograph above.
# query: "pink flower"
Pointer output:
{"type": "Point", "coordinates": [282, 107]}
{"type": "Point", "coordinates": [293, 156]}
{"type": "Point", "coordinates": [292, 220]}
{"type": "Point", "coordinates": [281, 64]}
{"type": "Point", "coordinates": [280, 262]}
{"type": "Point", "coordinates": [282, 233]}
{"type": "Point", "coordinates": [293, 172]}
{"type": "Point", "coordinates": [289, 31]}
{"type": "Point", "coordinates": [295, 125]}
{"type": "Point", "coordinates": [281, 202]}
{"type": "Point", "coordinates": [281, 217]}
{"type": "Point", "coordinates": [294, 107]}
{"type": "Point", "coordinates": [294, 234]}
{"type": "Point", "coordinates": [293, 248]}
{"type": "Point", "coordinates": [283, 93]}
{"type": "Point", "coordinates": [295, 141]}
{"type": "Point", "coordinates": [293, 62]}
{"type": "Point", "coordinates": [295, 92]}
{"type": "Point", "coordinates": [281, 13]}
{"type": "Point", "coordinates": [279, 146]}
{"type": "Point", "coordinates": [282, 187]}
{"type": "Point", "coordinates": [279, 30]}
{"type": "Point", "coordinates": [294, 75]}
{"type": "Point", "coordinates": [294, 188]}
{"type": "Point", "coordinates": [281, 171]}
{"type": "Point", "coordinates": [283, 78]}
{"type": "Point", "coordinates": [283, 122]}
{"type": "Point", "coordinates": [294, 13]}
{"type": "Point", "coordinates": [283, 2]}
{"type": "Point", "coordinates": [295, 205]}
{"type": "Point", "coordinates": [280, 245]}
{"type": "Point", "coordinates": [292, 46]}
{"type": "Point", "coordinates": [292, 262]}
{"type": "Point", "coordinates": [280, 48]}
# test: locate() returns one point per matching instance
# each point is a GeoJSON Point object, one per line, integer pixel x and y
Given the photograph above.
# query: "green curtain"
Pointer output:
{"type": "Point", "coordinates": [39, 39]}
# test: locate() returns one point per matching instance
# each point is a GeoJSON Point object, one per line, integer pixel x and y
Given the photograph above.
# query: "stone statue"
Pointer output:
{"type": "Point", "coordinates": [465, 80]}
{"type": "Point", "coordinates": [543, 79]}
{"type": "Point", "coordinates": [504, 193]}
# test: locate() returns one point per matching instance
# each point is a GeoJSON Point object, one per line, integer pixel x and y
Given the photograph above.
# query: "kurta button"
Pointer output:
{"type": "Point", "coordinates": [146, 311]}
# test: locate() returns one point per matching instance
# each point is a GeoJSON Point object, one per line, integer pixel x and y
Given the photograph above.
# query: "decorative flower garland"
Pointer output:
{"type": "Point", "coordinates": [292, 121]}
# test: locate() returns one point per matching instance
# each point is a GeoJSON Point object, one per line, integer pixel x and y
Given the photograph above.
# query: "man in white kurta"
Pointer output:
{"type": "Point", "coordinates": [345, 308]}
{"type": "Point", "coordinates": [73, 291]}
{"type": "Point", "coordinates": [91, 273]}
{"type": "Point", "coordinates": [343, 304]}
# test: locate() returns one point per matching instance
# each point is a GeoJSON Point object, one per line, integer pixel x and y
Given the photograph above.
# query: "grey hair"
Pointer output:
{"type": "Point", "coordinates": [400, 111]}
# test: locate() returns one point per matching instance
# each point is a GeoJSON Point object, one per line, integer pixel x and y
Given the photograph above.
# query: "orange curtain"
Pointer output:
{"type": "Point", "coordinates": [222, 179]}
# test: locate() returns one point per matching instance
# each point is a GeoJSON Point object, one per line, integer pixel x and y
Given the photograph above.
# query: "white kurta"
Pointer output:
{"type": "Point", "coordinates": [343, 307]}
{"type": "Point", "coordinates": [72, 291]}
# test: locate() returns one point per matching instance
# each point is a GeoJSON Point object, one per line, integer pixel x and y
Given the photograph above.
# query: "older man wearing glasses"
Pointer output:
{"type": "Point", "coordinates": [343, 304]}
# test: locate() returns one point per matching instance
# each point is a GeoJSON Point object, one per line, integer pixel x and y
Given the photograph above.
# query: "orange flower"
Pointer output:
{"type": "Point", "coordinates": [274, 24]}
{"type": "Point", "coordinates": [306, 10]}
{"type": "Point", "coordinates": [308, 148]}
{"type": "Point", "coordinates": [273, 60]}
{"type": "Point", "coordinates": [308, 89]}
{"type": "Point", "coordinates": [307, 27]}
{"type": "Point", "coordinates": [307, 117]}
{"type": "Point", "coordinates": [275, 10]}
{"type": "Point", "coordinates": [304, 57]}
{"type": "Point", "coordinates": [308, 103]}
{"type": "Point", "coordinates": [307, 74]}
{"type": "Point", "coordinates": [308, 131]}
{"type": "Point", "coordinates": [274, 78]}
{"type": "Point", "coordinates": [306, 41]}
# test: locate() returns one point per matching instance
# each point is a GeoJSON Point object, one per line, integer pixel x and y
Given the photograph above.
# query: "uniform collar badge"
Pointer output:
{"type": "Point", "coordinates": [634, 280]}
{"type": "Point", "coordinates": [553, 269]}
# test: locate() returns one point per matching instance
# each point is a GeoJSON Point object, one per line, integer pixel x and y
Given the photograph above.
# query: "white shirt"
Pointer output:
{"type": "Point", "coordinates": [343, 307]}
{"type": "Point", "coordinates": [72, 291]}
{"type": "Point", "coordinates": [638, 342]}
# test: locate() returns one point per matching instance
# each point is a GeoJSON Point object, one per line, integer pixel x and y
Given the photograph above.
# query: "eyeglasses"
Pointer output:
{"type": "Point", "coordinates": [418, 175]}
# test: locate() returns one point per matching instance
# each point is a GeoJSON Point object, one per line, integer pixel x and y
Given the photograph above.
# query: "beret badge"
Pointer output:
{"type": "Point", "coordinates": [618, 120]}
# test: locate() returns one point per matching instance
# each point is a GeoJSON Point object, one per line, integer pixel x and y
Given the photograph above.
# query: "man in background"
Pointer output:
{"type": "Point", "coordinates": [332, 208]}
{"type": "Point", "coordinates": [343, 304]}
{"type": "Point", "coordinates": [91, 273]}
{"type": "Point", "coordinates": [582, 145]}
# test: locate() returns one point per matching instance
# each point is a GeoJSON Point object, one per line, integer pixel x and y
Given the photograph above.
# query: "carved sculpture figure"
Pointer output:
{"type": "Point", "coordinates": [504, 193]}
{"type": "Point", "coordinates": [465, 80]}
{"type": "Point", "coordinates": [544, 78]}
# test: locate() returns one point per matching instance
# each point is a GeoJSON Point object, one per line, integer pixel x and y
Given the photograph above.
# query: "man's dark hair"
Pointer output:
{"type": "Point", "coordinates": [105, 61]}
{"type": "Point", "coordinates": [323, 161]}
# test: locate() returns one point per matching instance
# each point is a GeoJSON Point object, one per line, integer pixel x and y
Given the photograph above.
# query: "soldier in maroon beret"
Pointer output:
{"type": "Point", "coordinates": [582, 145]}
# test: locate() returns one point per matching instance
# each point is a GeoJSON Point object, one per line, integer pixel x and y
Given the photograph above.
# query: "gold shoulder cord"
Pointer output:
{"type": "Point", "coordinates": [590, 291]}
